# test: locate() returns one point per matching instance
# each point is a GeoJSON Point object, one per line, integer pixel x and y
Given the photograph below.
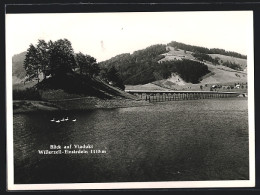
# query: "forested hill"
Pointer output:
{"type": "Point", "coordinates": [158, 62]}
{"type": "Point", "coordinates": [137, 68]}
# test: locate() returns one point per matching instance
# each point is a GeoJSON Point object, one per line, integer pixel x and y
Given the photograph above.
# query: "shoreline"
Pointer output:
{"type": "Point", "coordinates": [27, 106]}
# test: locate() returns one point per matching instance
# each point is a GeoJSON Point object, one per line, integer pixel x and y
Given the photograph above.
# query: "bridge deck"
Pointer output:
{"type": "Point", "coordinates": [173, 91]}
{"type": "Point", "coordinates": [156, 95]}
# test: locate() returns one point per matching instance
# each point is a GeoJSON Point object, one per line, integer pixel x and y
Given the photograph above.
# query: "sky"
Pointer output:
{"type": "Point", "coordinates": [104, 35]}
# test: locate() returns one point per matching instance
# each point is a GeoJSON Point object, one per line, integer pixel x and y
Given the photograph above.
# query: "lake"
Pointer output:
{"type": "Point", "coordinates": [193, 140]}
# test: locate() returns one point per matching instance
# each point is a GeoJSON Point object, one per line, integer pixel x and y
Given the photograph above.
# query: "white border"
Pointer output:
{"type": "Point", "coordinates": [134, 185]}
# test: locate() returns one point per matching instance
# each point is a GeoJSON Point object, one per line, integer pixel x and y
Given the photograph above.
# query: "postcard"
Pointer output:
{"type": "Point", "coordinates": [129, 100]}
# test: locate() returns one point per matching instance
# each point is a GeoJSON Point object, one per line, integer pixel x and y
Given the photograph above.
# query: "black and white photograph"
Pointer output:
{"type": "Point", "coordinates": [126, 100]}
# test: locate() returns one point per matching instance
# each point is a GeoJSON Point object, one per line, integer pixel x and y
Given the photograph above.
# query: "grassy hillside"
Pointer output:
{"type": "Point", "coordinates": [176, 54]}
{"type": "Point", "coordinates": [148, 65]}
{"type": "Point", "coordinates": [145, 66]}
{"type": "Point", "coordinates": [218, 73]}
{"type": "Point", "coordinates": [222, 58]}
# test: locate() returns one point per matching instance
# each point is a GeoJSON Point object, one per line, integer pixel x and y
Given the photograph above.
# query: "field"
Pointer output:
{"type": "Point", "coordinates": [242, 62]}
{"type": "Point", "coordinates": [176, 54]}
{"type": "Point", "coordinates": [219, 74]}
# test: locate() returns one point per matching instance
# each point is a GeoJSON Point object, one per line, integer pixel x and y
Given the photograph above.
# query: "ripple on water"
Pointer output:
{"type": "Point", "coordinates": [169, 141]}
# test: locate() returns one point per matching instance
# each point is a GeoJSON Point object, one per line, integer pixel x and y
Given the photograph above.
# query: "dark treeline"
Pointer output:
{"type": "Point", "coordinates": [205, 50]}
{"type": "Point", "coordinates": [206, 57]}
{"type": "Point", "coordinates": [232, 65]}
{"type": "Point", "coordinates": [190, 71]}
{"type": "Point", "coordinates": [142, 67]}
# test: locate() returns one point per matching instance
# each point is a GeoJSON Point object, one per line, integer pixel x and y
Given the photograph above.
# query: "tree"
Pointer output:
{"type": "Point", "coordinates": [52, 58]}
{"type": "Point", "coordinates": [62, 59]}
{"type": "Point", "coordinates": [104, 74]}
{"type": "Point", "coordinates": [43, 57]}
{"type": "Point", "coordinates": [31, 64]}
{"type": "Point", "coordinates": [92, 68]}
{"type": "Point", "coordinates": [113, 76]}
{"type": "Point", "coordinates": [87, 65]}
{"type": "Point", "coordinates": [81, 61]}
